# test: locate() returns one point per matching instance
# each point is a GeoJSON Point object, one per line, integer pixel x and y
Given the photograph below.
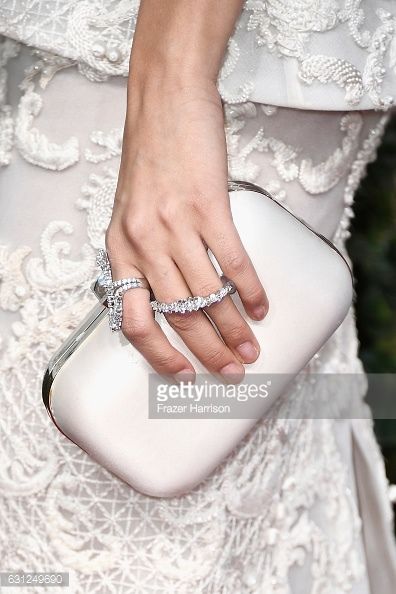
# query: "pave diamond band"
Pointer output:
{"type": "Point", "coordinates": [115, 290]}
{"type": "Point", "coordinates": [195, 303]}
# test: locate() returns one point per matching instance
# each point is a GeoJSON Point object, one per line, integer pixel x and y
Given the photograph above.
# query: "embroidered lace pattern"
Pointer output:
{"type": "Point", "coordinates": [343, 51]}
{"type": "Point", "coordinates": [282, 502]}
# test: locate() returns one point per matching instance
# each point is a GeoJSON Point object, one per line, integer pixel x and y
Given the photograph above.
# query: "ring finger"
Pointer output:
{"type": "Point", "coordinates": [203, 279]}
{"type": "Point", "coordinates": [195, 329]}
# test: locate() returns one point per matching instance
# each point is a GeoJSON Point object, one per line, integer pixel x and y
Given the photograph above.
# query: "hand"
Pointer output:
{"type": "Point", "coordinates": [171, 202]}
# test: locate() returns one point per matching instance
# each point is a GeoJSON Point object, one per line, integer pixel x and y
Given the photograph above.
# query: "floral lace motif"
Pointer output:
{"type": "Point", "coordinates": [274, 507]}
{"type": "Point", "coordinates": [349, 44]}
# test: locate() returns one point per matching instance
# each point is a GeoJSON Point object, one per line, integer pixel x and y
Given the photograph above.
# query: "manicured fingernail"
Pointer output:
{"type": "Point", "coordinates": [259, 312]}
{"type": "Point", "coordinates": [185, 375]}
{"type": "Point", "coordinates": [248, 352]}
{"type": "Point", "coordinates": [232, 372]}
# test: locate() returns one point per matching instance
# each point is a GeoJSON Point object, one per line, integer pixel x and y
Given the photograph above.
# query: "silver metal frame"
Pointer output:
{"type": "Point", "coordinates": [97, 313]}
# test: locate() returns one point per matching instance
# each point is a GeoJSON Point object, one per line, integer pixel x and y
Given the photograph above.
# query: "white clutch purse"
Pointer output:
{"type": "Point", "coordinates": [95, 387]}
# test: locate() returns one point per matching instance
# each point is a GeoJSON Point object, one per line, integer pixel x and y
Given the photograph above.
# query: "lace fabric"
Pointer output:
{"type": "Point", "coordinates": [282, 513]}
{"type": "Point", "coordinates": [318, 54]}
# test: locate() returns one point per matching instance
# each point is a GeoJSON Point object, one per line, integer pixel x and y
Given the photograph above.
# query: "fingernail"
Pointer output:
{"type": "Point", "coordinates": [185, 375]}
{"type": "Point", "coordinates": [248, 352]}
{"type": "Point", "coordinates": [232, 372]}
{"type": "Point", "coordinates": [259, 312]}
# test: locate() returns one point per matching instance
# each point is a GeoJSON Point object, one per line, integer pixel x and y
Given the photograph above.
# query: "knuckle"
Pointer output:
{"type": "Point", "coordinates": [182, 322]}
{"type": "Point", "coordinates": [236, 262]}
{"type": "Point", "coordinates": [236, 333]}
{"type": "Point", "coordinates": [169, 212]}
{"type": "Point", "coordinates": [168, 362]}
{"type": "Point", "coordinates": [136, 329]}
{"type": "Point", "coordinates": [133, 242]}
{"type": "Point", "coordinates": [256, 296]}
{"type": "Point", "coordinates": [207, 288]}
{"type": "Point", "coordinates": [216, 357]}
{"type": "Point", "coordinates": [136, 230]}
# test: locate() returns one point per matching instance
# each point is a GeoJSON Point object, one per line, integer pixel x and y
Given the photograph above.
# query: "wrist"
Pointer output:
{"type": "Point", "coordinates": [162, 82]}
{"type": "Point", "coordinates": [184, 39]}
{"type": "Point", "coordinates": [181, 67]}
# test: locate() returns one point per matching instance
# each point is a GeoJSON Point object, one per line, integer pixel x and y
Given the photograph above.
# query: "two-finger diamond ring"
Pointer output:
{"type": "Point", "coordinates": [115, 290]}
{"type": "Point", "coordinates": [195, 303]}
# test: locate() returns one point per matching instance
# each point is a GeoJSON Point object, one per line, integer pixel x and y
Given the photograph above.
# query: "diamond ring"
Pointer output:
{"type": "Point", "coordinates": [115, 289]}
{"type": "Point", "coordinates": [195, 303]}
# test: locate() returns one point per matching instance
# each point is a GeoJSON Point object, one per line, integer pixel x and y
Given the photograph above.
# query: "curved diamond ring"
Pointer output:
{"type": "Point", "coordinates": [195, 303]}
{"type": "Point", "coordinates": [115, 289]}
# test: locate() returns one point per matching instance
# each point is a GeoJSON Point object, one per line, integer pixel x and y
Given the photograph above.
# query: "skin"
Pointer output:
{"type": "Point", "coordinates": [172, 201]}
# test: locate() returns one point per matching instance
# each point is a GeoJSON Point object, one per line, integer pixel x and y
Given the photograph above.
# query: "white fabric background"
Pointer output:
{"type": "Point", "coordinates": [310, 54]}
{"type": "Point", "coordinates": [282, 514]}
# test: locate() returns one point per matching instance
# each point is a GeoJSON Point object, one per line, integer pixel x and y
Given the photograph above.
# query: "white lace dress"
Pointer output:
{"type": "Point", "coordinates": [301, 506]}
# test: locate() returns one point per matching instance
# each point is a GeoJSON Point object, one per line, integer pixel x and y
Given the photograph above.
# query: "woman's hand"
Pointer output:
{"type": "Point", "coordinates": [172, 197]}
{"type": "Point", "coordinates": [171, 200]}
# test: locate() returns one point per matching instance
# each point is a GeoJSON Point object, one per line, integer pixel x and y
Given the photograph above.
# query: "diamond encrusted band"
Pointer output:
{"type": "Point", "coordinates": [115, 290]}
{"type": "Point", "coordinates": [195, 303]}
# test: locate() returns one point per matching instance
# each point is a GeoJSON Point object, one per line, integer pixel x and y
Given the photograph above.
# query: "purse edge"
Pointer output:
{"type": "Point", "coordinates": [96, 314]}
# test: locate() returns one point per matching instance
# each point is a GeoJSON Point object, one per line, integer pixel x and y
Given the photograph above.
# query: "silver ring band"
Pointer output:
{"type": "Point", "coordinates": [134, 281]}
{"type": "Point", "coordinates": [115, 289]}
{"type": "Point", "coordinates": [195, 303]}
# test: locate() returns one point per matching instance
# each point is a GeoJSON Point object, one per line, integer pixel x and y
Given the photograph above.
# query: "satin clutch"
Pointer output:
{"type": "Point", "coordinates": [96, 386]}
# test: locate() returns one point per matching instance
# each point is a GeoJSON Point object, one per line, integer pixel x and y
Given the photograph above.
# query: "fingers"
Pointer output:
{"type": "Point", "coordinates": [226, 245]}
{"type": "Point", "coordinates": [143, 331]}
{"type": "Point", "coordinates": [195, 329]}
{"type": "Point", "coordinates": [219, 337]}
{"type": "Point", "coordinates": [203, 279]}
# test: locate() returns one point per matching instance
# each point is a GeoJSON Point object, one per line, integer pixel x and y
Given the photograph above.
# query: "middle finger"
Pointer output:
{"type": "Point", "coordinates": [203, 279]}
{"type": "Point", "coordinates": [194, 327]}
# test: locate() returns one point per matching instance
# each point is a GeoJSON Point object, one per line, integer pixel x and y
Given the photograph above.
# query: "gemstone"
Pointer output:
{"type": "Point", "coordinates": [102, 279]}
